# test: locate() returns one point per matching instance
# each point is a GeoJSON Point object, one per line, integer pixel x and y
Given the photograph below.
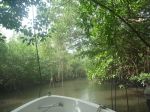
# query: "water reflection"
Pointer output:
{"type": "Point", "coordinates": [81, 89]}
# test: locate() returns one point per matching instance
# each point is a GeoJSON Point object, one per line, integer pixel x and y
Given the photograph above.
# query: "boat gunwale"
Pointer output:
{"type": "Point", "coordinates": [57, 96]}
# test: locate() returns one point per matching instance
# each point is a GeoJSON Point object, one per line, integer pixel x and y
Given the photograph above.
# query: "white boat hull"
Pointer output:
{"type": "Point", "coordinates": [56, 103]}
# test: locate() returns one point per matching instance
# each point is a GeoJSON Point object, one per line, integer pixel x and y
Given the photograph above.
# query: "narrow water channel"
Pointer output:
{"type": "Point", "coordinates": [82, 89]}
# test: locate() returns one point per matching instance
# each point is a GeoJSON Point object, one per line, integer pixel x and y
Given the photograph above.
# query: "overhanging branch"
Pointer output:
{"type": "Point", "coordinates": [123, 20]}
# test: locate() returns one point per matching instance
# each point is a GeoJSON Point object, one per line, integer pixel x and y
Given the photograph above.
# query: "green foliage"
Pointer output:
{"type": "Point", "coordinates": [53, 26]}
{"type": "Point", "coordinates": [18, 65]}
{"type": "Point", "coordinates": [142, 78]}
{"type": "Point", "coordinates": [97, 67]}
{"type": "Point", "coordinates": [13, 11]}
{"type": "Point", "coordinates": [114, 32]}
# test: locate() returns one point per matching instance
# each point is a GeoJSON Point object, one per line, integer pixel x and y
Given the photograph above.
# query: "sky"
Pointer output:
{"type": "Point", "coordinates": [30, 16]}
{"type": "Point", "coordinates": [6, 32]}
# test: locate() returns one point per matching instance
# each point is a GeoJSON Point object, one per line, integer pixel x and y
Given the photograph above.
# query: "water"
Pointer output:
{"type": "Point", "coordinates": [82, 89]}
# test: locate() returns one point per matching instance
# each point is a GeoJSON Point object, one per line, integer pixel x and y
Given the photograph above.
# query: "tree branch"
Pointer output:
{"type": "Point", "coordinates": [123, 20]}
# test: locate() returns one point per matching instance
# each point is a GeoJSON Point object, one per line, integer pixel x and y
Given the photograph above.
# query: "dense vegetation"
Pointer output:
{"type": "Point", "coordinates": [113, 37]}
{"type": "Point", "coordinates": [19, 66]}
{"type": "Point", "coordinates": [118, 39]}
{"type": "Point", "coordinates": [35, 58]}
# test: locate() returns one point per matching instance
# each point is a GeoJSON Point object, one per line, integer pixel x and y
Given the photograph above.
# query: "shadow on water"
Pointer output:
{"type": "Point", "coordinates": [82, 89]}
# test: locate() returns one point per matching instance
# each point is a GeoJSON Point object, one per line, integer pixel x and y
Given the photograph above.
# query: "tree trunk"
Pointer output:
{"type": "Point", "coordinates": [62, 74]}
{"type": "Point", "coordinates": [126, 90]}
{"type": "Point", "coordinates": [115, 94]}
{"type": "Point", "coordinates": [112, 104]}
